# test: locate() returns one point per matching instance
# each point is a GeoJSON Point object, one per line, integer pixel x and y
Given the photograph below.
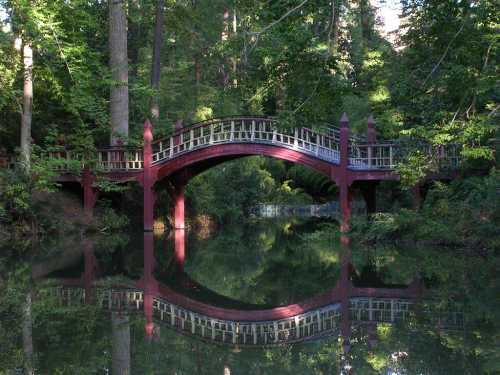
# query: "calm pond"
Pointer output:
{"type": "Point", "coordinates": [260, 297]}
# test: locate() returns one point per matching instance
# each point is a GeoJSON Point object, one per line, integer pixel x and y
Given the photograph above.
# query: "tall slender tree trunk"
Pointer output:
{"type": "Point", "coordinates": [119, 71]}
{"type": "Point", "coordinates": [224, 37]}
{"type": "Point", "coordinates": [156, 67]}
{"type": "Point", "coordinates": [28, 334]}
{"type": "Point", "coordinates": [120, 325]}
{"type": "Point", "coordinates": [27, 111]}
{"type": "Point", "coordinates": [333, 32]}
{"type": "Point", "coordinates": [234, 61]}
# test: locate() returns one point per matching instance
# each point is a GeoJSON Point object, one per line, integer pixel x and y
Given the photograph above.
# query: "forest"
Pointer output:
{"type": "Point", "coordinates": [79, 76]}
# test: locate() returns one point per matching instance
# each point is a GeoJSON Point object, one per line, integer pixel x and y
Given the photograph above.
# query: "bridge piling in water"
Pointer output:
{"type": "Point", "coordinates": [147, 177]}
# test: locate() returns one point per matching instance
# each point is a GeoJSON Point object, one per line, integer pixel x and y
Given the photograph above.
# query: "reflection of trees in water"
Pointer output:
{"type": "Point", "coordinates": [78, 339]}
{"type": "Point", "coordinates": [265, 262]}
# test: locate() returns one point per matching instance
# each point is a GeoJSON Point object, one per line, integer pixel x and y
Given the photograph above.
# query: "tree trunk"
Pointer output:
{"type": "Point", "coordinates": [156, 68]}
{"type": "Point", "coordinates": [333, 33]}
{"type": "Point", "coordinates": [119, 71]}
{"type": "Point", "coordinates": [234, 62]}
{"type": "Point", "coordinates": [120, 325]}
{"type": "Point", "coordinates": [27, 113]}
{"type": "Point", "coordinates": [28, 335]}
{"type": "Point", "coordinates": [224, 37]}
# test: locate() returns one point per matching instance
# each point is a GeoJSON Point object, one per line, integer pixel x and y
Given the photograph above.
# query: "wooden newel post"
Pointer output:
{"type": "Point", "coordinates": [148, 177]}
{"type": "Point", "coordinates": [344, 141]}
{"type": "Point", "coordinates": [371, 138]}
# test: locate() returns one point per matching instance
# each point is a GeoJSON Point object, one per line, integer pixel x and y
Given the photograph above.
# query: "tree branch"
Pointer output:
{"type": "Point", "coordinates": [444, 54]}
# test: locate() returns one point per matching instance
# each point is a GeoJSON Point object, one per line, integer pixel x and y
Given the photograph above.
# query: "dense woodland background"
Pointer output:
{"type": "Point", "coordinates": [305, 62]}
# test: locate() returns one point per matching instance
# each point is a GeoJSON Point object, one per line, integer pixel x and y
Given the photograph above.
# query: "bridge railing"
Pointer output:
{"type": "Point", "coordinates": [246, 130]}
{"type": "Point", "coordinates": [374, 156]}
{"type": "Point", "coordinates": [255, 130]}
{"type": "Point", "coordinates": [115, 159]}
{"type": "Point", "coordinates": [120, 159]}
{"type": "Point", "coordinates": [389, 155]}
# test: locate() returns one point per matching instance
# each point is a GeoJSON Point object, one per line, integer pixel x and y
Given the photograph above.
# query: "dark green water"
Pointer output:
{"type": "Point", "coordinates": [258, 264]}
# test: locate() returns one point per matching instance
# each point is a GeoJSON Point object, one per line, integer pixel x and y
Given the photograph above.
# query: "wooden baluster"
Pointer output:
{"type": "Point", "coordinates": [172, 316]}
{"type": "Point", "coordinates": [231, 137]}
{"type": "Point", "coordinates": [274, 135]}
{"type": "Point", "coordinates": [193, 327]}
{"type": "Point", "coordinates": [370, 309]}
{"type": "Point", "coordinates": [171, 151]}
{"type": "Point", "coordinates": [296, 139]}
{"type": "Point", "coordinates": [392, 310]}
{"type": "Point", "coordinates": [233, 327]}
{"type": "Point", "coordinates": [391, 162]}
{"type": "Point", "coordinates": [254, 333]}
{"type": "Point", "coordinates": [211, 133]}
{"type": "Point", "coordinates": [252, 136]}
{"type": "Point", "coordinates": [318, 143]}
{"type": "Point", "coordinates": [191, 136]}
{"type": "Point", "coordinates": [318, 317]}
{"type": "Point", "coordinates": [213, 328]}
{"type": "Point", "coordinates": [297, 329]}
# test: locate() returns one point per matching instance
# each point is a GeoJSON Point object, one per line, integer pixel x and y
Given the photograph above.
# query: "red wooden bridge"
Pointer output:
{"type": "Point", "coordinates": [343, 158]}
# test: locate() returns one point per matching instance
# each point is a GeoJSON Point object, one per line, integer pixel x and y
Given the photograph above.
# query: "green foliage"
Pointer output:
{"type": "Point", "coordinates": [109, 220]}
{"type": "Point", "coordinates": [255, 180]}
{"type": "Point", "coordinates": [415, 168]}
{"type": "Point", "coordinates": [469, 206]}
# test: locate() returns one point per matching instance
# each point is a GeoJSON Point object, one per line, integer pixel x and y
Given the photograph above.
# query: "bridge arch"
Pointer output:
{"type": "Point", "coordinates": [199, 161]}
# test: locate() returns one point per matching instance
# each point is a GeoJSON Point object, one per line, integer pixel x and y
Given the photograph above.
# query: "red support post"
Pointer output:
{"type": "Point", "coordinates": [179, 226]}
{"type": "Point", "coordinates": [148, 177]}
{"type": "Point", "coordinates": [89, 194]}
{"type": "Point", "coordinates": [180, 249]}
{"type": "Point", "coordinates": [179, 208]}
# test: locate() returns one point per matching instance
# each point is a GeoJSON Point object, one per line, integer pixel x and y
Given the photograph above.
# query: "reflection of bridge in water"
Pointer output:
{"type": "Point", "coordinates": [313, 324]}
{"type": "Point", "coordinates": [333, 313]}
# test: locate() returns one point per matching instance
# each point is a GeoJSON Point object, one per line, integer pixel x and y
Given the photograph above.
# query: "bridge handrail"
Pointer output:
{"type": "Point", "coordinates": [330, 127]}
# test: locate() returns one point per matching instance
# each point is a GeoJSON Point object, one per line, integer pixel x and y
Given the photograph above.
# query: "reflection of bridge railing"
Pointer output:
{"type": "Point", "coordinates": [301, 327]}
{"type": "Point", "coordinates": [313, 324]}
{"type": "Point", "coordinates": [394, 310]}
{"type": "Point", "coordinates": [260, 130]}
